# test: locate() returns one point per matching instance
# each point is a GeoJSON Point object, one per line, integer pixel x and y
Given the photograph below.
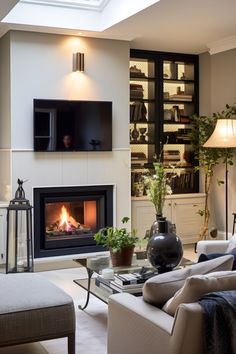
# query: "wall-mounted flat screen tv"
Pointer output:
{"type": "Point", "coordinates": [61, 125]}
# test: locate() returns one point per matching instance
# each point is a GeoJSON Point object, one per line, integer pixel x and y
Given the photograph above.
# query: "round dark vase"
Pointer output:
{"type": "Point", "coordinates": [155, 226]}
{"type": "Point", "coordinates": [122, 257]}
{"type": "Point", "coordinates": [164, 249]}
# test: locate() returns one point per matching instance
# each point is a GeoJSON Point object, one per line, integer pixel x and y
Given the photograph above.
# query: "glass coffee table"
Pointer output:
{"type": "Point", "coordinates": [89, 283]}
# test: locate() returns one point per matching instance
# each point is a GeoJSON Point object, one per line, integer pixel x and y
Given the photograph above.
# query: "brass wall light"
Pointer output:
{"type": "Point", "coordinates": [78, 62]}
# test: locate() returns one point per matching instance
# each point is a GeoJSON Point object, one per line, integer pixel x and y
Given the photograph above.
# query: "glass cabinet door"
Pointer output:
{"type": "Point", "coordinates": [178, 106]}
{"type": "Point", "coordinates": [142, 117]}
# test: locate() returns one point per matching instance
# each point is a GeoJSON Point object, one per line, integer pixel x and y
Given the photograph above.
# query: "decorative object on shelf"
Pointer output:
{"type": "Point", "coordinates": [208, 158]}
{"type": "Point", "coordinates": [120, 242]}
{"type": "Point", "coordinates": [142, 137]}
{"type": "Point", "coordinates": [138, 189]}
{"type": "Point", "coordinates": [138, 112]}
{"type": "Point", "coordinates": [168, 115]}
{"type": "Point", "coordinates": [135, 72]}
{"type": "Point", "coordinates": [78, 62]}
{"type": "Point", "coordinates": [224, 137]}
{"type": "Point", "coordinates": [176, 113]}
{"type": "Point", "coordinates": [183, 77]}
{"type": "Point", "coordinates": [173, 71]}
{"type": "Point", "coordinates": [164, 249]}
{"type": "Point", "coordinates": [136, 91]}
{"type": "Point", "coordinates": [135, 134]}
{"type": "Point", "coordinates": [19, 256]}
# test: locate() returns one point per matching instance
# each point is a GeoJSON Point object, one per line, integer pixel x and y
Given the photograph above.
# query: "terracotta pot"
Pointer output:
{"type": "Point", "coordinates": [123, 257]}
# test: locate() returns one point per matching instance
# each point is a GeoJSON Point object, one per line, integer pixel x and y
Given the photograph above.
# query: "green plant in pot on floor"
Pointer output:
{"type": "Point", "coordinates": [119, 241]}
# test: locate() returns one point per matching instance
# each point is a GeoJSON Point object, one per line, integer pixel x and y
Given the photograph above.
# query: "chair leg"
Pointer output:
{"type": "Point", "coordinates": [71, 343]}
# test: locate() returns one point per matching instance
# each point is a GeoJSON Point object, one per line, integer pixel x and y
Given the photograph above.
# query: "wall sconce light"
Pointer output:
{"type": "Point", "coordinates": [78, 62]}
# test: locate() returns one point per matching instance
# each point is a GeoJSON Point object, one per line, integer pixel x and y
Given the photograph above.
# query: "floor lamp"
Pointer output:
{"type": "Point", "coordinates": [224, 136]}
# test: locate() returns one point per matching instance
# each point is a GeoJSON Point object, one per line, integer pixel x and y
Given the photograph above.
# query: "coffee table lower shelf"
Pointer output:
{"type": "Point", "coordinates": [83, 283]}
{"type": "Point", "coordinates": [99, 293]}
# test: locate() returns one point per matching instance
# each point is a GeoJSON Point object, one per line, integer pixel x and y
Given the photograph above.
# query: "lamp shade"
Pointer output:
{"type": "Point", "coordinates": [224, 134]}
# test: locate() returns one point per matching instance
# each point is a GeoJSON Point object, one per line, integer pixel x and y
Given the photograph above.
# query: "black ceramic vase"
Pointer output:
{"type": "Point", "coordinates": [164, 249]}
{"type": "Point", "coordinates": [155, 226]}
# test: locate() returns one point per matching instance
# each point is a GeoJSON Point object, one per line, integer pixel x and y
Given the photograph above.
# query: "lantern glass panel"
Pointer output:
{"type": "Point", "coordinates": [17, 241]}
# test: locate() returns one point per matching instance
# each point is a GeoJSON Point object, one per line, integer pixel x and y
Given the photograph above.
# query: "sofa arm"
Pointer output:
{"type": "Point", "coordinates": [188, 332]}
{"type": "Point", "coordinates": [206, 247]}
{"type": "Point", "coordinates": [135, 327]}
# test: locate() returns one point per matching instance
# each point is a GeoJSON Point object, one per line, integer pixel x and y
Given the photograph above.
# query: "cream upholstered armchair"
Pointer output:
{"type": "Point", "coordinates": [138, 326]}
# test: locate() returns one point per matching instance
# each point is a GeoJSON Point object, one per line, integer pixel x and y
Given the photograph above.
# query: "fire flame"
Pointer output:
{"type": "Point", "coordinates": [66, 220]}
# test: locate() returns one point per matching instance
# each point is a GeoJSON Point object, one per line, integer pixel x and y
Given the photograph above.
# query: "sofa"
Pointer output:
{"type": "Point", "coordinates": [138, 325]}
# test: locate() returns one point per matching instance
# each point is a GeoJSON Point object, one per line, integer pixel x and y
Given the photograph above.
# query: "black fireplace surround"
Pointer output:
{"type": "Point", "coordinates": [66, 218]}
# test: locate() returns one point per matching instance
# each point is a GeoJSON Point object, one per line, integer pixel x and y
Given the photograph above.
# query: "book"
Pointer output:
{"type": "Point", "coordinates": [135, 290]}
{"type": "Point", "coordinates": [126, 287]}
{"type": "Point", "coordinates": [129, 278]}
{"type": "Point", "coordinates": [105, 286]}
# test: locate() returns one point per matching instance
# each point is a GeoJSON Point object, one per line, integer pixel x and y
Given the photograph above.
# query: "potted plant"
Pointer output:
{"type": "Point", "coordinates": [119, 241]}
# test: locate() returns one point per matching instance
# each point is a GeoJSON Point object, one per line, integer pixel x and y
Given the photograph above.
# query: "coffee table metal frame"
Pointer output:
{"type": "Point", "coordinates": [90, 272]}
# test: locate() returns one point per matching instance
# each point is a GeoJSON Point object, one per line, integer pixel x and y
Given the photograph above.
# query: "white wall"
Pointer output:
{"type": "Point", "coordinates": [41, 67]}
{"type": "Point", "coordinates": [217, 88]}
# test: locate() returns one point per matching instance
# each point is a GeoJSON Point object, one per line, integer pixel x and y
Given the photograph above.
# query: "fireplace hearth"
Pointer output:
{"type": "Point", "coordinates": [66, 218]}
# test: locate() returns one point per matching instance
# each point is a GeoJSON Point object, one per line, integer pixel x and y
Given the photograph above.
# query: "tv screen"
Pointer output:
{"type": "Point", "coordinates": [61, 125]}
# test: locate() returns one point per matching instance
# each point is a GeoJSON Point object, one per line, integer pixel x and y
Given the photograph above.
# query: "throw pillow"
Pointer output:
{"type": "Point", "coordinates": [198, 285]}
{"type": "Point", "coordinates": [160, 288]}
{"type": "Point", "coordinates": [232, 244]}
{"type": "Point", "coordinates": [206, 257]}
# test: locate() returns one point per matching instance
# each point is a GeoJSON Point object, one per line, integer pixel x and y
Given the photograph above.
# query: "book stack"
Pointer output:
{"type": "Point", "coordinates": [181, 97]}
{"type": "Point", "coordinates": [135, 72]}
{"type": "Point", "coordinates": [171, 156]}
{"type": "Point", "coordinates": [131, 283]}
{"type": "Point", "coordinates": [136, 91]}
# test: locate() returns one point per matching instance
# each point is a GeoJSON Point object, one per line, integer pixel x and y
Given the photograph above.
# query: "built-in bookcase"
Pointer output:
{"type": "Point", "coordinates": [163, 96]}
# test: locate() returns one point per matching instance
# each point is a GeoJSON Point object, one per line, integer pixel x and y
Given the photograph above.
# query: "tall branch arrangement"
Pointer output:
{"type": "Point", "coordinates": [208, 158]}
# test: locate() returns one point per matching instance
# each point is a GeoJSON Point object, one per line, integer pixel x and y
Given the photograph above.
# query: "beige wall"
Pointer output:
{"type": "Point", "coordinates": [217, 88]}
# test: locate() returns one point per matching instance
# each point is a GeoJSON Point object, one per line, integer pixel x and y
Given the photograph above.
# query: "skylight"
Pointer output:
{"type": "Point", "coordinates": [95, 5]}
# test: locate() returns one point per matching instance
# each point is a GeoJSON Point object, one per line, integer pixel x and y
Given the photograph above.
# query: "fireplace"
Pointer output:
{"type": "Point", "coordinates": [66, 218]}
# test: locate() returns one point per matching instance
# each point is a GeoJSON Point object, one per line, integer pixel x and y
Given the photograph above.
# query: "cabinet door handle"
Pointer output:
{"type": "Point", "coordinates": [169, 204]}
{"type": "Point", "coordinates": [175, 204]}
{"type": "Point", "coordinates": [195, 205]}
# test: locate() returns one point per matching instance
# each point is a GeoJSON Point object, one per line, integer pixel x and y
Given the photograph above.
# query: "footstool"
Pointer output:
{"type": "Point", "coordinates": [33, 309]}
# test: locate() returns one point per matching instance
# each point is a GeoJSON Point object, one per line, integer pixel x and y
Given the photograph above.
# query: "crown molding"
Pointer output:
{"type": "Point", "coordinates": [222, 45]}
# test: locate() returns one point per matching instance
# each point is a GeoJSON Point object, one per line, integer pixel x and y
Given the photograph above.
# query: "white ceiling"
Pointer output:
{"type": "Point", "coordinates": [188, 26]}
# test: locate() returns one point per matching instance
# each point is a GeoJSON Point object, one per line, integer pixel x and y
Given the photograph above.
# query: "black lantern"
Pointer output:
{"type": "Point", "coordinates": [19, 256]}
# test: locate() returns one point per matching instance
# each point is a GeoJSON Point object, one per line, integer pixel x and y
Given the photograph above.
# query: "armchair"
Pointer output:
{"type": "Point", "coordinates": [136, 327]}
{"type": "Point", "coordinates": [212, 246]}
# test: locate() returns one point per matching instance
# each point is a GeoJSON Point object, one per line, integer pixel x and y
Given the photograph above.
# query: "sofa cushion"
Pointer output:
{"type": "Point", "coordinates": [206, 257]}
{"type": "Point", "coordinates": [160, 288]}
{"type": "Point", "coordinates": [198, 285]}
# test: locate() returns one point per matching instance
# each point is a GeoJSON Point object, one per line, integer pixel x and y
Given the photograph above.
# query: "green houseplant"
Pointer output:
{"type": "Point", "coordinates": [119, 241]}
